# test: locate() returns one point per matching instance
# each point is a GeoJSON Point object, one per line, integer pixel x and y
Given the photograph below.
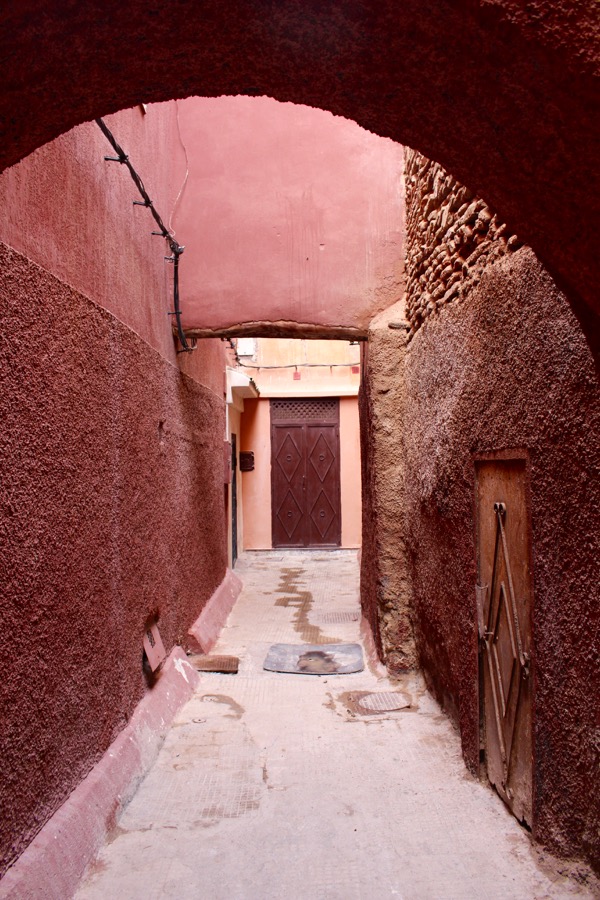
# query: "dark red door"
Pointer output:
{"type": "Point", "coordinates": [305, 473]}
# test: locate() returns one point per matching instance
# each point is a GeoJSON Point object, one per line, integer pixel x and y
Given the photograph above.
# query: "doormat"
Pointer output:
{"type": "Point", "coordinates": [225, 664]}
{"type": "Point", "coordinates": [315, 659]}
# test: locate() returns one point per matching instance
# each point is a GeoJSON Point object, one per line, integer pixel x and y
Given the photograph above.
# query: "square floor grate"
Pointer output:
{"type": "Point", "coordinates": [225, 664]}
{"type": "Point", "coordinates": [342, 617]}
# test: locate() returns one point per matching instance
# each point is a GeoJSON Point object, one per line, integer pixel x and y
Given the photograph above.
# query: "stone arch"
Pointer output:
{"type": "Point", "coordinates": [505, 98]}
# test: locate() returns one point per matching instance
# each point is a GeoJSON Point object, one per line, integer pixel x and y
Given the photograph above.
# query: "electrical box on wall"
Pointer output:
{"type": "Point", "coordinates": [246, 461]}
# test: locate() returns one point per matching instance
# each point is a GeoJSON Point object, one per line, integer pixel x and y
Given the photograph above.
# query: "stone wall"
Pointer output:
{"type": "Point", "coordinates": [451, 237]}
{"type": "Point", "coordinates": [386, 587]}
{"type": "Point", "coordinates": [497, 363]}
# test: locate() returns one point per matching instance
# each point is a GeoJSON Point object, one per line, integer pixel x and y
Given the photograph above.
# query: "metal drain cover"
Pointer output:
{"type": "Point", "coordinates": [383, 702]}
{"type": "Point", "coordinates": [227, 664]}
{"type": "Point", "coordinates": [342, 617]}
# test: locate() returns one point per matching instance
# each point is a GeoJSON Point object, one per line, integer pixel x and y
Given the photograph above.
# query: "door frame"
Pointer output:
{"type": "Point", "coordinates": [322, 421]}
{"type": "Point", "coordinates": [516, 454]}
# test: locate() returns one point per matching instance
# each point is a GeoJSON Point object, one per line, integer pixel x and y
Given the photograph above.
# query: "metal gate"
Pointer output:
{"type": "Point", "coordinates": [504, 619]}
{"type": "Point", "coordinates": [305, 473]}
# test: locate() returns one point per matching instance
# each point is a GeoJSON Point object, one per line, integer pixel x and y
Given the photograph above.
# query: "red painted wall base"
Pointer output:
{"type": "Point", "coordinates": [205, 631]}
{"type": "Point", "coordinates": [53, 864]}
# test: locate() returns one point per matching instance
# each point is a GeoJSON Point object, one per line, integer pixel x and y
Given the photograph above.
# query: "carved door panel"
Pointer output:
{"type": "Point", "coordinates": [288, 477]}
{"type": "Point", "coordinates": [305, 473]}
{"type": "Point", "coordinates": [504, 598]}
{"type": "Point", "coordinates": [323, 485]}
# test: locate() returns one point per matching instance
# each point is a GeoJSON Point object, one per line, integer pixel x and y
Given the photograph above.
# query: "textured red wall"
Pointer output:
{"type": "Point", "coordinates": [111, 509]}
{"type": "Point", "coordinates": [71, 212]}
{"type": "Point", "coordinates": [502, 93]}
{"type": "Point", "coordinates": [506, 368]}
{"type": "Point", "coordinates": [112, 491]}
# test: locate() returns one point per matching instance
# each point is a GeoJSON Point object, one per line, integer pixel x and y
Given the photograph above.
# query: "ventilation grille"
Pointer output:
{"type": "Point", "coordinates": [317, 410]}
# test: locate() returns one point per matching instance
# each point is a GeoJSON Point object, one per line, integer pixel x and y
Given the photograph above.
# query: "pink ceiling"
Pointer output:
{"type": "Point", "coordinates": [288, 214]}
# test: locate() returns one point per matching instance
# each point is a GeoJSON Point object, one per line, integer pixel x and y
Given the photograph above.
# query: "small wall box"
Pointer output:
{"type": "Point", "coordinates": [246, 460]}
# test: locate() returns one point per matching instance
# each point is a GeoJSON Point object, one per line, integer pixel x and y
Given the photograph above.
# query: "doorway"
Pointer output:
{"type": "Point", "coordinates": [305, 472]}
{"type": "Point", "coordinates": [504, 599]}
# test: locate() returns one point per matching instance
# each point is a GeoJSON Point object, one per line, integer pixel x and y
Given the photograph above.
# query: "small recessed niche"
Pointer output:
{"type": "Point", "coordinates": [154, 649]}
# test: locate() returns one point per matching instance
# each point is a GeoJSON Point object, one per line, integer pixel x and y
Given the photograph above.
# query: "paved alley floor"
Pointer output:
{"type": "Point", "coordinates": [278, 787]}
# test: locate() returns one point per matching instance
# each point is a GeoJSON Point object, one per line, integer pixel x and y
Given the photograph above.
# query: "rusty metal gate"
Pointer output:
{"type": "Point", "coordinates": [504, 597]}
{"type": "Point", "coordinates": [305, 472]}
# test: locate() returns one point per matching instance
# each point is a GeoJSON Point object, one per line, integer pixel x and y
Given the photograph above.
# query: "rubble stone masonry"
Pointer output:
{"type": "Point", "coordinates": [494, 363]}
{"type": "Point", "coordinates": [451, 237]}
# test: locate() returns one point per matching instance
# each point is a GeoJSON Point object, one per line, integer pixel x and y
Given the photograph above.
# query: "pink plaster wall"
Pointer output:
{"type": "Point", "coordinates": [71, 212]}
{"type": "Point", "coordinates": [289, 213]}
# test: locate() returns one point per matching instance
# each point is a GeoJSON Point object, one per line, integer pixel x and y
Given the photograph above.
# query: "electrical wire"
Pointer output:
{"type": "Point", "coordinates": [175, 248]}
{"type": "Point", "coordinates": [300, 366]}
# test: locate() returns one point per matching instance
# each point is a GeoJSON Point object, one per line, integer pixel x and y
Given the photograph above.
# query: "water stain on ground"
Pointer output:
{"type": "Point", "coordinates": [301, 600]}
{"type": "Point", "coordinates": [350, 702]}
{"type": "Point", "coordinates": [237, 711]}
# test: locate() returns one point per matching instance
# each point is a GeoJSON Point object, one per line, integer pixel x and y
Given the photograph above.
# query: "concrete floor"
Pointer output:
{"type": "Point", "coordinates": [277, 787]}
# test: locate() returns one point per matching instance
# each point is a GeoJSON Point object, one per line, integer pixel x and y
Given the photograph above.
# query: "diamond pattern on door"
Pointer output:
{"type": "Point", "coordinates": [289, 514]}
{"type": "Point", "coordinates": [321, 458]}
{"type": "Point", "coordinates": [505, 655]}
{"type": "Point", "coordinates": [322, 514]}
{"type": "Point", "coordinates": [288, 458]}
{"type": "Point", "coordinates": [504, 598]}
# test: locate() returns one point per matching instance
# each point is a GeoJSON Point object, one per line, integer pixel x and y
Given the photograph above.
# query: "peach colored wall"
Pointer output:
{"type": "Point", "coordinates": [256, 485]}
{"type": "Point", "coordinates": [256, 436]}
{"type": "Point", "coordinates": [350, 472]}
{"type": "Point", "coordinates": [289, 213]}
{"type": "Point", "coordinates": [323, 368]}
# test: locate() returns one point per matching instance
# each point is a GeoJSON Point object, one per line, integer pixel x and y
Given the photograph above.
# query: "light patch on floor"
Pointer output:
{"type": "Point", "coordinates": [283, 787]}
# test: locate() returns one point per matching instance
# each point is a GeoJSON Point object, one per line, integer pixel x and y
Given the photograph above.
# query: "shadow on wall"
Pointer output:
{"type": "Point", "coordinates": [508, 367]}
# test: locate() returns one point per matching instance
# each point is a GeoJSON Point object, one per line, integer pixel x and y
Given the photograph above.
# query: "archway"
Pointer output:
{"type": "Point", "coordinates": [505, 99]}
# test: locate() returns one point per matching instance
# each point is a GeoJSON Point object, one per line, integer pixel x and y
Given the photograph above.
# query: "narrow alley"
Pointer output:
{"type": "Point", "coordinates": [289, 786]}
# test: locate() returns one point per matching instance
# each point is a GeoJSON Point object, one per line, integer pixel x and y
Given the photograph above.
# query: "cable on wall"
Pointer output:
{"type": "Point", "coordinates": [175, 248]}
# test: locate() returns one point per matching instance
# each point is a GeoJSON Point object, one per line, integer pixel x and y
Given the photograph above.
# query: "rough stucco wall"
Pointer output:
{"type": "Point", "coordinates": [508, 367]}
{"type": "Point", "coordinates": [111, 509]}
{"type": "Point", "coordinates": [386, 587]}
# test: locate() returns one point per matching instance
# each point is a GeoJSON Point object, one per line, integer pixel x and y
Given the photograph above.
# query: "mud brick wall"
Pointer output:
{"type": "Point", "coordinates": [496, 361]}
{"type": "Point", "coordinates": [451, 237]}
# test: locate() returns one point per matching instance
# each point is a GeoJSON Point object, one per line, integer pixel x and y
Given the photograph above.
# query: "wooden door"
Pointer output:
{"type": "Point", "coordinates": [504, 598]}
{"type": "Point", "coordinates": [305, 473]}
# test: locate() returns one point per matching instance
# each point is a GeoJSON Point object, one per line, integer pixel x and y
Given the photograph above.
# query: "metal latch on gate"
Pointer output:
{"type": "Point", "coordinates": [481, 593]}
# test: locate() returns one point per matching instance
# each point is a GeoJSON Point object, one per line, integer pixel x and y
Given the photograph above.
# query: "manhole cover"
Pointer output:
{"type": "Point", "coordinates": [226, 664]}
{"type": "Point", "coordinates": [384, 702]}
